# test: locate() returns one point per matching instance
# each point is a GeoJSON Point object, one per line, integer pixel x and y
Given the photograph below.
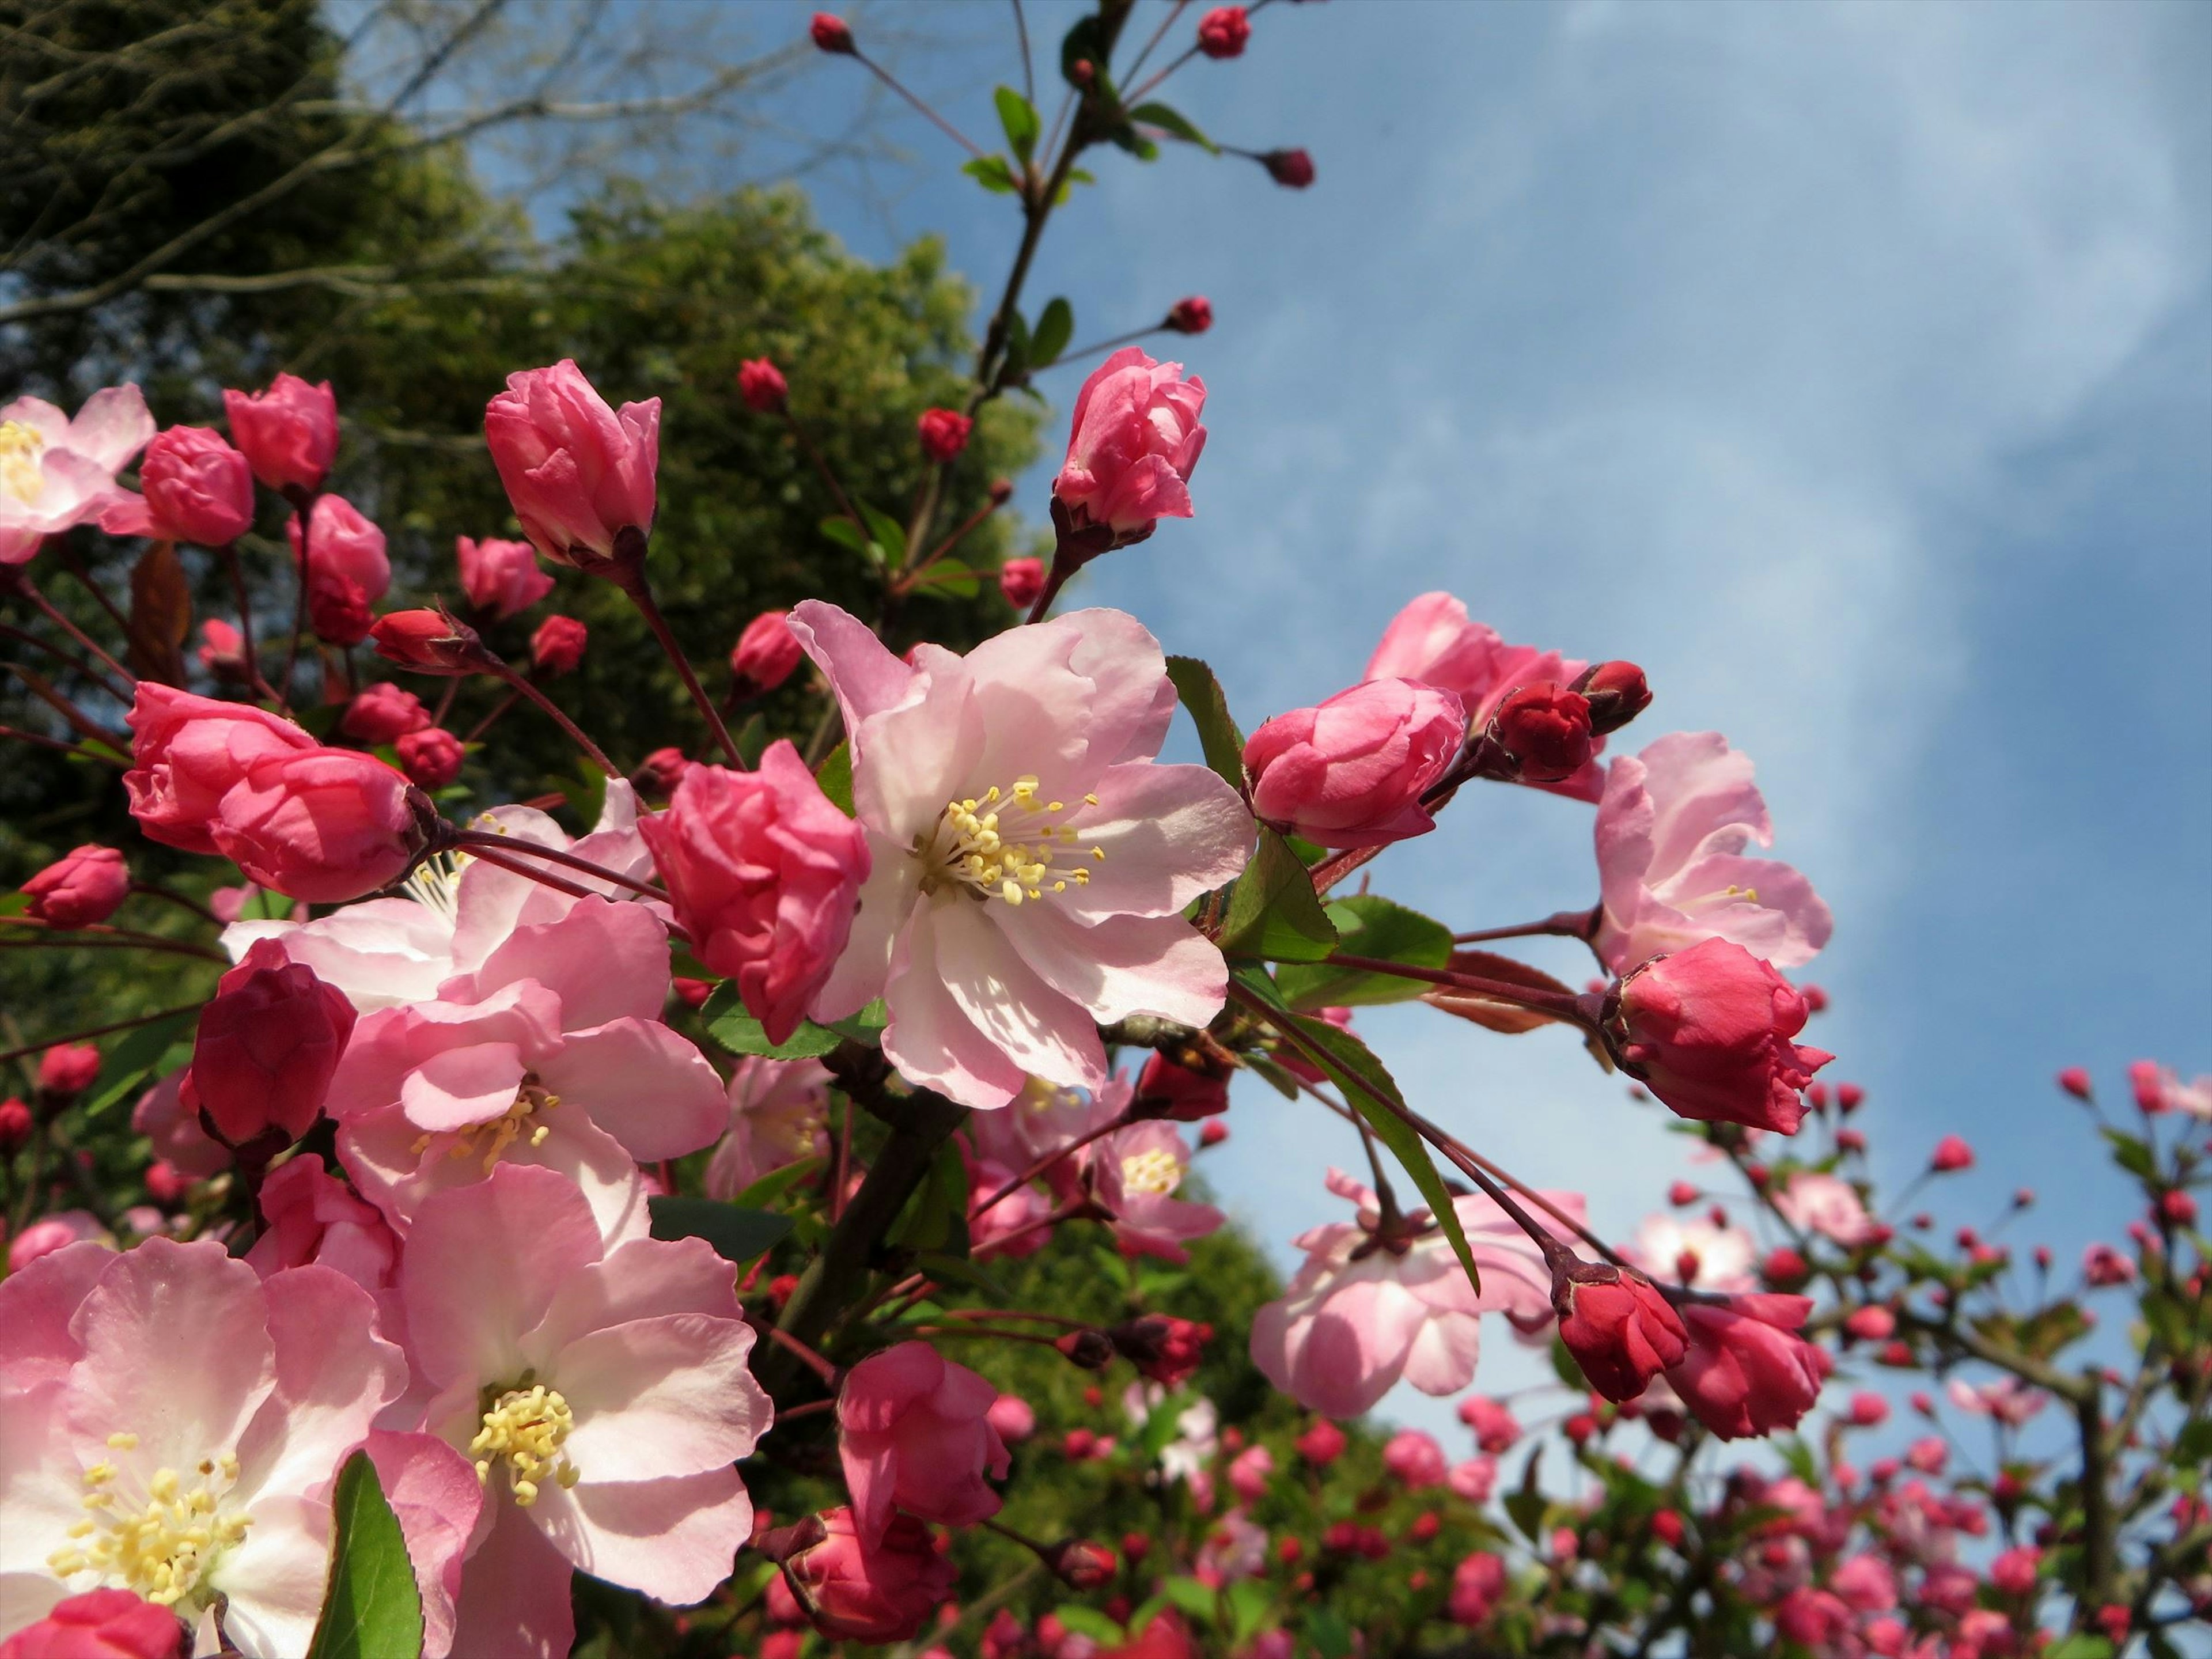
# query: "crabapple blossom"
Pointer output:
{"type": "Point", "coordinates": [2006, 1399]}
{"type": "Point", "coordinates": [1133, 1174]}
{"type": "Point", "coordinates": [778, 1108]}
{"type": "Point", "coordinates": [914, 1434]}
{"type": "Point", "coordinates": [57, 472]}
{"type": "Point", "coordinates": [1496, 1430]}
{"type": "Point", "coordinates": [557, 646]}
{"type": "Point", "coordinates": [57, 1231]}
{"type": "Point", "coordinates": [289, 433]}
{"type": "Point", "coordinates": [852, 1591]}
{"type": "Point", "coordinates": [1618, 1328]}
{"type": "Point", "coordinates": [1413, 1456]}
{"type": "Point", "coordinates": [501, 578]}
{"type": "Point", "coordinates": [101, 1623]}
{"type": "Point", "coordinates": [1824, 1204]}
{"type": "Point", "coordinates": [222, 652]}
{"type": "Point", "coordinates": [2159, 1089]}
{"type": "Point", "coordinates": [383, 714]}
{"type": "Point", "coordinates": [1021, 580]}
{"type": "Point", "coordinates": [1223, 32]}
{"type": "Point", "coordinates": [1708, 1030]}
{"type": "Point", "coordinates": [1747, 1371]}
{"type": "Point", "coordinates": [431, 758]}
{"type": "Point", "coordinates": [1545, 731]}
{"type": "Point", "coordinates": [763, 386]}
{"type": "Point", "coordinates": [189, 752]}
{"type": "Point", "coordinates": [323, 824]}
{"type": "Point", "coordinates": [1030, 858]}
{"type": "Point", "coordinates": [1134, 440]}
{"type": "Point", "coordinates": [1353, 771]}
{"type": "Point", "coordinates": [347, 570]}
{"type": "Point", "coordinates": [767, 653]}
{"type": "Point", "coordinates": [943, 433]}
{"type": "Point", "coordinates": [68, 1069]}
{"type": "Point", "coordinates": [83, 887]}
{"type": "Point", "coordinates": [197, 488]}
{"type": "Point", "coordinates": [579, 473]}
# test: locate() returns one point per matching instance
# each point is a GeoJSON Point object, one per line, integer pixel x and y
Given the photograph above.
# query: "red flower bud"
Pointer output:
{"type": "Point", "coordinates": [661, 771]}
{"type": "Point", "coordinates": [1021, 580]}
{"type": "Point", "coordinates": [1292, 169]}
{"type": "Point", "coordinates": [1616, 1324]}
{"type": "Point", "coordinates": [763, 386]}
{"type": "Point", "coordinates": [767, 653]}
{"type": "Point", "coordinates": [852, 1593]}
{"type": "Point", "coordinates": [1165, 1089]}
{"type": "Point", "coordinates": [1617, 692]}
{"type": "Point", "coordinates": [1951, 1153]}
{"type": "Point", "coordinates": [1082, 1564]}
{"type": "Point", "coordinates": [1322, 1445]}
{"type": "Point", "coordinates": [197, 488]}
{"type": "Point", "coordinates": [267, 1045]}
{"type": "Point", "coordinates": [82, 888]}
{"type": "Point", "coordinates": [384, 713]}
{"type": "Point", "coordinates": [1545, 728]}
{"type": "Point", "coordinates": [1784, 1269]}
{"type": "Point", "coordinates": [1213, 1133]}
{"type": "Point", "coordinates": [943, 433]}
{"type": "Point", "coordinates": [68, 1070]}
{"type": "Point", "coordinates": [557, 646]}
{"type": "Point", "coordinates": [289, 433]}
{"type": "Point", "coordinates": [167, 1184]}
{"type": "Point", "coordinates": [1162, 1348]}
{"type": "Point", "coordinates": [1747, 1371]}
{"type": "Point", "coordinates": [1192, 315]}
{"type": "Point", "coordinates": [431, 758]}
{"type": "Point", "coordinates": [1708, 1028]}
{"type": "Point", "coordinates": [1223, 32]}
{"type": "Point", "coordinates": [831, 32]}
{"type": "Point", "coordinates": [1001, 491]}
{"type": "Point", "coordinates": [16, 1126]}
{"type": "Point", "coordinates": [429, 642]}
{"type": "Point", "coordinates": [1667, 1527]}
{"type": "Point", "coordinates": [2075, 1080]}
{"type": "Point", "coordinates": [1088, 1349]}
{"type": "Point", "coordinates": [100, 1624]}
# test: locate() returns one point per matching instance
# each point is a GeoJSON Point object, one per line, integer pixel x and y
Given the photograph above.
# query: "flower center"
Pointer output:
{"type": "Point", "coordinates": [159, 1539]}
{"type": "Point", "coordinates": [1003, 845]}
{"type": "Point", "coordinates": [494, 1137]}
{"type": "Point", "coordinates": [1157, 1172]}
{"type": "Point", "coordinates": [525, 1427]}
{"type": "Point", "coordinates": [21, 446]}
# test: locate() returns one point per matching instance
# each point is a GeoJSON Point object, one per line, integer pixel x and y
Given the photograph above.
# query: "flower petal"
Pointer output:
{"type": "Point", "coordinates": [646, 1085]}
{"type": "Point", "coordinates": [660, 1397]}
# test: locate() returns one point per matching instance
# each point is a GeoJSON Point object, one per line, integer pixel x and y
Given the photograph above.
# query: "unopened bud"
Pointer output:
{"type": "Point", "coordinates": [1088, 1349]}
{"type": "Point", "coordinates": [763, 386]}
{"type": "Point", "coordinates": [1001, 491]}
{"type": "Point", "coordinates": [1193, 315]}
{"type": "Point", "coordinates": [1545, 728]}
{"type": "Point", "coordinates": [430, 643]}
{"type": "Point", "coordinates": [1292, 168]}
{"type": "Point", "coordinates": [1080, 1563]}
{"type": "Point", "coordinates": [832, 34]}
{"type": "Point", "coordinates": [1617, 692]}
{"type": "Point", "coordinates": [1166, 1349]}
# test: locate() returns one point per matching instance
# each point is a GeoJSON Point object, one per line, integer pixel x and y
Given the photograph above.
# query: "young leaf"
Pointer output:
{"type": "Point", "coordinates": [1055, 323]}
{"type": "Point", "coordinates": [936, 1217]}
{"type": "Point", "coordinates": [1175, 124]}
{"type": "Point", "coordinates": [1080, 1621]}
{"type": "Point", "coordinates": [992, 173]}
{"type": "Point", "coordinates": [371, 1609]}
{"type": "Point", "coordinates": [949, 579]}
{"type": "Point", "coordinates": [1201, 695]}
{"type": "Point", "coordinates": [885, 531]}
{"type": "Point", "coordinates": [1272, 912]}
{"type": "Point", "coordinates": [739, 1235]}
{"type": "Point", "coordinates": [775, 1184]}
{"type": "Point", "coordinates": [1502, 1017]}
{"type": "Point", "coordinates": [741, 1034]}
{"type": "Point", "coordinates": [843, 531]}
{"type": "Point", "coordinates": [1019, 119]}
{"type": "Point", "coordinates": [1370, 925]}
{"type": "Point", "coordinates": [835, 775]}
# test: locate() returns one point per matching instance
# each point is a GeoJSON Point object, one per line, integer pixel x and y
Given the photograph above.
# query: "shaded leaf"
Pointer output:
{"type": "Point", "coordinates": [1200, 693]}
{"type": "Point", "coordinates": [738, 1235]}
{"type": "Point", "coordinates": [1019, 118]}
{"type": "Point", "coordinates": [1274, 912]}
{"type": "Point", "coordinates": [835, 775]}
{"type": "Point", "coordinates": [775, 1183]}
{"type": "Point", "coordinates": [160, 614]}
{"type": "Point", "coordinates": [372, 1608]}
{"type": "Point", "coordinates": [992, 173]}
{"type": "Point", "coordinates": [741, 1034]}
{"type": "Point", "coordinates": [1055, 326]}
{"type": "Point", "coordinates": [885, 531]}
{"type": "Point", "coordinates": [1175, 124]}
{"type": "Point", "coordinates": [1484, 1011]}
{"type": "Point", "coordinates": [1369, 925]}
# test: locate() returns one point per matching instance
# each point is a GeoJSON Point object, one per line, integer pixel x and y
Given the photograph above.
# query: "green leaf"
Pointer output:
{"type": "Point", "coordinates": [1525, 1506]}
{"type": "Point", "coordinates": [2079, 1646]}
{"type": "Point", "coordinates": [141, 1053]}
{"type": "Point", "coordinates": [1200, 694]}
{"type": "Point", "coordinates": [739, 1235]}
{"type": "Point", "coordinates": [937, 1265]}
{"type": "Point", "coordinates": [1054, 327]}
{"type": "Point", "coordinates": [1331, 1637]}
{"type": "Point", "coordinates": [775, 1183]}
{"type": "Point", "coordinates": [948, 579]}
{"type": "Point", "coordinates": [751, 738]}
{"type": "Point", "coordinates": [1188, 1595]}
{"type": "Point", "coordinates": [1080, 1621]}
{"type": "Point", "coordinates": [1019, 119]}
{"type": "Point", "coordinates": [1362, 1079]}
{"type": "Point", "coordinates": [262, 905]}
{"type": "Point", "coordinates": [867, 1026]}
{"type": "Point", "coordinates": [1087, 43]}
{"type": "Point", "coordinates": [1249, 1602]}
{"type": "Point", "coordinates": [1075, 176]}
{"type": "Point", "coordinates": [1127, 137]}
{"type": "Point", "coordinates": [2133, 1156]}
{"type": "Point", "coordinates": [372, 1610]}
{"type": "Point", "coordinates": [936, 1217]}
{"type": "Point", "coordinates": [1272, 911]}
{"type": "Point", "coordinates": [2193, 1444]}
{"type": "Point", "coordinates": [835, 775]}
{"type": "Point", "coordinates": [741, 1034]}
{"type": "Point", "coordinates": [992, 173]}
{"type": "Point", "coordinates": [1370, 925]}
{"type": "Point", "coordinates": [847, 534]}
{"type": "Point", "coordinates": [885, 531]}
{"type": "Point", "coordinates": [1564, 1366]}
{"type": "Point", "coordinates": [1175, 124]}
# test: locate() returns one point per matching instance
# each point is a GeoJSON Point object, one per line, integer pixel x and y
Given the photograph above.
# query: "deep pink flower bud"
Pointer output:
{"type": "Point", "coordinates": [347, 568]}
{"type": "Point", "coordinates": [1477, 1586]}
{"type": "Point", "coordinates": [2014, 1570]}
{"type": "Point", "coordinates": [1747, 1371]}
{"type": "Point", "coordinates": [1618, 1328]}
{"type": "Point", "coordinates": [764, 872]}
{"type": "Point", "coordinates": [1667, 1527]}
{"type": "Point", "coordinates": [1414, 1459]}
{"type": "Point", "coordinates": [1784, 1269]}
{"type": "Point", "coordinates": [1021, 580]}
{"type": "Point", "coordinates": [1223, 32]}
{"type": "Point", "coordinates": [1849, 1097]}
{"type": "Point", "coordinates": [831, 32]}
{"type": "Point", "coordinates": [2075, 1079]}
{"type": "Point", "coordinates": [222, 651]}
{"type": "Point", "coordinates": [943, 433]}
{"type": "Point", "coordinates": [383, 714]}
{"type": "Point", "coordinates": [68, 1070]}
{"type": "Point", "coordinates": [1951, 1153]}
{"type": "Point", "coordinates": [1293, 168]}
{"type": "Point", "coordinates": [267, 1045]}
{"type": "Point", "coordinates": [338, 612]}
{"type": "Point", "coordinates": [431, 758]}
{"type": "Point", "coordinates": [1873, 1324]}
{"type": "Point", "coordinates": [661, 771]}
{"type": "Point", "coordinates": [1212, 1133]}
{"type": "Point", "coordinates": [1167, 1089]}
{"type": "Point", "coordinates": [1681, 1193]}
{"type": "Point", "coordinates": [1352, 772]}
{"type": "Point", "coordinates": [856, 1593]}
{"type": "Point", "coordinates": [557, 646]}
{"type": "Point", "coordinates": [100, 1624]}
{"type": "Point", "coordinates": [1013, 1417]}
{"type": "Point", "coordinates": [1132, 443]}
{"type": "Point", "coordinates": [16, 1126]}
{"type": "Point", "coordinates": [2176, 1209]}
{"type": "Point", "coordinates": [1082, 1564]}
{"type": "Point", "coordinates": [165, 1184]}
{"type": "Point", "coordinates": [1162, 1348]}
{"type": "Point", "coordinates": [429, 642]}
{"type": "Point", "coordinates": [307, 1217]}
{"type": "Point", "coordinates": [1322, 1445]}
{"type": "Point", "coordinates": [763, 386]}
{"type": "Point", "coordinates": [1849, 1140]}
{"type": "Point", "coordinates": [190, 751]}
{"type": "Point", "coordinates": [579, 473]}
{"type": "Point", "coordinates": [289, 433]}
{"type": "Point", "coordinates": [1087, 1349]}
{"type": "Point", "coordinates": [197, 488]}
{"type": "Point", "coordinates": [1495, 1428]}
{"type": "Point", "coordinates": [1708, 1030]}
{"type": "Point", "coordinates": [501, 578]}
{"type": "Point", "coordinates": [1191, 315]}
{"type": "Point", "coordinates": [84, 886]}
{"type": "Point", "coordinates": [767, 653]}
{"type": "Point", "coordinates": [1545, 728]}
{"type": "Point", "coordinates": [1868, 1410]}
{"type": "Point", "coordinates": [325, 825]}
{"type": "Point", "coordinates": [914, 1434]}
{"type": "Point", "coordinates": [1617, 692]}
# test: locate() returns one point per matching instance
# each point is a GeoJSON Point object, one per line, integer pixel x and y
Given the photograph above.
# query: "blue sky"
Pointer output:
{"type": "Point", "coordinates": [1849, 366]}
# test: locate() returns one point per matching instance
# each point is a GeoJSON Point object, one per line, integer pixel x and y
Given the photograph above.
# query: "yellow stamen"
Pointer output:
{"type": "Point", "coordinates": [1001, 845]}
{"type": "Point", "coordinates": [526, 1427]}
{"type": "Point", "coordinates": [22, 472]}
{"type": "Point", "coordinates": [159, 1539]}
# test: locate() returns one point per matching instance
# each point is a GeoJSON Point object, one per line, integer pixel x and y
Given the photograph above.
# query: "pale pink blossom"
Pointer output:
{"type": "Point", "coordinates": [55, 1232]}
{"type": "Point", "coordinates": [1671, 831]}
{"type": "Point", "coordinates": [551, 1052]}
{"type": "Point", "coordinates": [289, 433]}
{"type": "Point", "coordinates": [2006, 1399]}
{"type": "Point", "coordinates": [1360, 1315]}
{"type": "Point", "coordinates": [778, 1109]}
{"type": "Point", "coordinates": [1030, 860]}
{"type": "Point", "coordinates": [1433, 640]}
{"type": "Point", "coordinates": [1827, 1204]}
{"type": "Point", "coordinates": [309, 1216]}
{"type": "Point", "coordinates": [177, 1364]}
{"type": "Point", "coordinates": [1235, 1547]}
{"type": "Point", "coordinates": [1697, 1254]}
{"type": "Point", "coordinates": [1134, 440]}
{"type": "Point", "coordinates": [1045, 1118]}
{"type": "Point", "coordinates": [179, 1140]}
{"type": "Point", "coordinates": [1250, 1472]}
{"type": "Point", "coordinates": [56, 473]}
{"type": "Point", "coordinates": [2159, 1089]}
{"type": "Point", "coordinates": [1133, 1174]}
{"type": "Point", "coordinates": [1013, 1417]}
{"type": "Point", "coordinates": [605, 1394]}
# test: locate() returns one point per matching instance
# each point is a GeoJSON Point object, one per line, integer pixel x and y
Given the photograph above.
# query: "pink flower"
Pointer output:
{"type": "Point", "coordinates": [267, 1046]}
{"type": "Point", "coordinates": [778, 1108]}
{"type": "Point", "coordinates": [384, 713]}
{"type": "Point", "coordinates": [1708, 1030]}
{"type": "Point", "coordinates": [2014, 1570]}
{"type": "Point", "coordinates": [1044, 1119]}
{"type": "Point", "coordinates": [1021, 580]}
{"type": "Point", "coordinates": [308, 1215]}
{"type": "Point", "coordinates": [1133, 1174]}
{"type": "Point", "coordinates": [57, 1232]}
{"type": "Point", "coordinates": [1620, 1330]}
{"type": "Point", "coordinates": [56, 473]}
{"type": "Point", "coordinates": [190, 751]}
{"type": "Point", "coordinates": [1132, 446]}
{"type": "Point", "coordinates": [2159, 1089]}
{"type": "Point", "coordinates": [1248, 1473]}
{"type": "Point", "coordinates": [943, 433]}
{"type": "Point", "coordinates": [550, 1053]}
{"type": "Point", "coordinates": [176, 1364]}
{"type": "Point", "coordinates": [1352, 772]}
{"type": "Point", "coordinates": [1671, 830]}
{"type": "Point", "coordinates": [914, 1433]}
{"type": "Point", "coordinates": [431, 758]}
{"type": "Point", "coordinates": [579, 474]}
{"type": "Point", "coordinates": [222, 652]}
{"type": "Point", "coordinates": [1823, 1203]}
{"type": "Point", "coordinates": [558, 646]}
{"type": "Point", "coordinates": [1362, 1313]}
{"type": "Point", "coordinates": [2006, 1399]}
{"type": "Point", "coordinates": [603, 1392]}
{"type": "Point", "coordinates": [1011, 1417]}
{"type": "Point", "coordinates": [1172, 1090]}
{"type": "Point", "coordinates": [857, 1592]}
{"type": "Point", "coordinates": [762, 871]}
{"type": "Point", "coordinates": [1414, 1459]}
{"type": "Point", "coordinates": [2102, 1267]}
{"type": "Point", "coordinates": [1865, 1583]}
{"type": "Point", "coordinates": [1697, 1254]}
{"type": "Point", "coordinates": [1031, 860]}
{"type": "Point", "coordinates": [325, 825]}
{"type": "Point", "coordinates": [1478, 1584]}
{"type": "Point", "coordinates": [766, 652]}
{"type": "Point", "coordinates": [198, 489]}
{"type": "Point", "coordinates": [289, 433]}
{"type": "Point", "coordinates": [1952, 1153]}
{"type": "Point", "coordinates": [347, 568]}
{"type": "Point", "coordinates": [1747, 1371]}
{"type": "Point", "coordinates": [1433, 640]}
{"type": "Point", "coordinates": [179, 1140]}
{"type": "Point", "coordinates": [501, 578]}
{"type": "Point", "coordinates": [1496, 1430]}
{"type": "Point", "coordinates": [85, 886]}
{"type": "Point", "coordinates": [1223, 32]}
{"type": "Point", "coordinates": [101, 1623]}
{"type": "Point", "coordinates": [763, 386]}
